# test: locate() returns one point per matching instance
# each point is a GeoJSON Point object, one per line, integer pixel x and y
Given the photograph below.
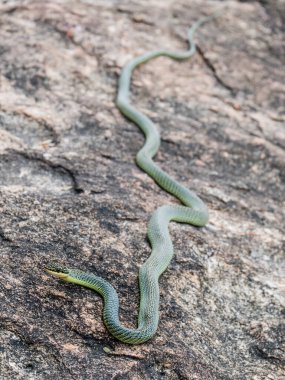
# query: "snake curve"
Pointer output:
{"type": "Point", "coordinates": [193, 212]}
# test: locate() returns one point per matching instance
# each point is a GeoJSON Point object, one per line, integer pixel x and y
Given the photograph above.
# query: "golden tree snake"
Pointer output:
{"type": "Point", "coordinates": [193, 211]}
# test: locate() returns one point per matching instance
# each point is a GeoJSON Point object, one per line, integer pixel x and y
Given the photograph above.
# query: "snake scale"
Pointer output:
{"type": "Point", "coordinates": [193, 212]}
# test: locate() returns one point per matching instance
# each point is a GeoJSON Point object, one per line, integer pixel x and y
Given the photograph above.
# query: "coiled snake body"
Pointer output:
{"type": "Point", "coordinates": [193, 212]}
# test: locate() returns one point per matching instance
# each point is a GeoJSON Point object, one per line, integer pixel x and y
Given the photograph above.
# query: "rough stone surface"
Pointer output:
{"type": "Point", "coordinates": [70, 189]}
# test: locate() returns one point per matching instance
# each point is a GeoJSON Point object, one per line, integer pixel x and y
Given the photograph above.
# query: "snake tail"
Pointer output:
{"type": "Point", "coordinates": [192, 211]}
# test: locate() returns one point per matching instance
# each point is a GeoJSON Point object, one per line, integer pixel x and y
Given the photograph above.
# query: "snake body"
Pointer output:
{"type": "Point", "coordinates": [193, 212]}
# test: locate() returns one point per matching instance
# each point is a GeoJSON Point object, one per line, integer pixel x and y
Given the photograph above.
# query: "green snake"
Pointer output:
{"type": "Point", "coordinates": [193, 212]}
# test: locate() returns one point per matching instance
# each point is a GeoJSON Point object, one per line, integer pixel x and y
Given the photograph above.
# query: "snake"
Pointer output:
{"type": "Point", "coordinates": [192, 211]}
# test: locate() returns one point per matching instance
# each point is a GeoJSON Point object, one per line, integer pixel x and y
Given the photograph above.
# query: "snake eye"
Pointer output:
{"type": "Point", "coordinates": [56, 267]}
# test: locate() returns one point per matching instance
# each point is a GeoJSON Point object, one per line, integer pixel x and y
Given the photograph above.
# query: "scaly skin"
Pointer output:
{"type": "Point", "coordinates": [193, 212]}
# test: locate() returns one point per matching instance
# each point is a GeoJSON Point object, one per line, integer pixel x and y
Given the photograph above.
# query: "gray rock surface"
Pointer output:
{"type": "Point", "coordinates": [70, 190]}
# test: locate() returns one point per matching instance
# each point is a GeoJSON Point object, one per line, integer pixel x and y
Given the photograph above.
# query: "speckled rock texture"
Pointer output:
{"type": "Point", "coordinates": [70, 190]}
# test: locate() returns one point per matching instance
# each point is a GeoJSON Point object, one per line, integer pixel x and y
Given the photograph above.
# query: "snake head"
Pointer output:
{"type": "Point", "coordinates": [57, 270]}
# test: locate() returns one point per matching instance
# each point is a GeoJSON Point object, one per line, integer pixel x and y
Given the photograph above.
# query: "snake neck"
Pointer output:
{"type": "Point", "coordinates": [149, 303]}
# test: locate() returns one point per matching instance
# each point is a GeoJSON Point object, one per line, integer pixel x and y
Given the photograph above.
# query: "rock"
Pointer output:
{"type": "Point", "coordinates": [70, 189]}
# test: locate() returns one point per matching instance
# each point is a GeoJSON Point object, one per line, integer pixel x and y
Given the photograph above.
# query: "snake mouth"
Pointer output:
{"type": "Point", "coordinates": [57, 274]}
